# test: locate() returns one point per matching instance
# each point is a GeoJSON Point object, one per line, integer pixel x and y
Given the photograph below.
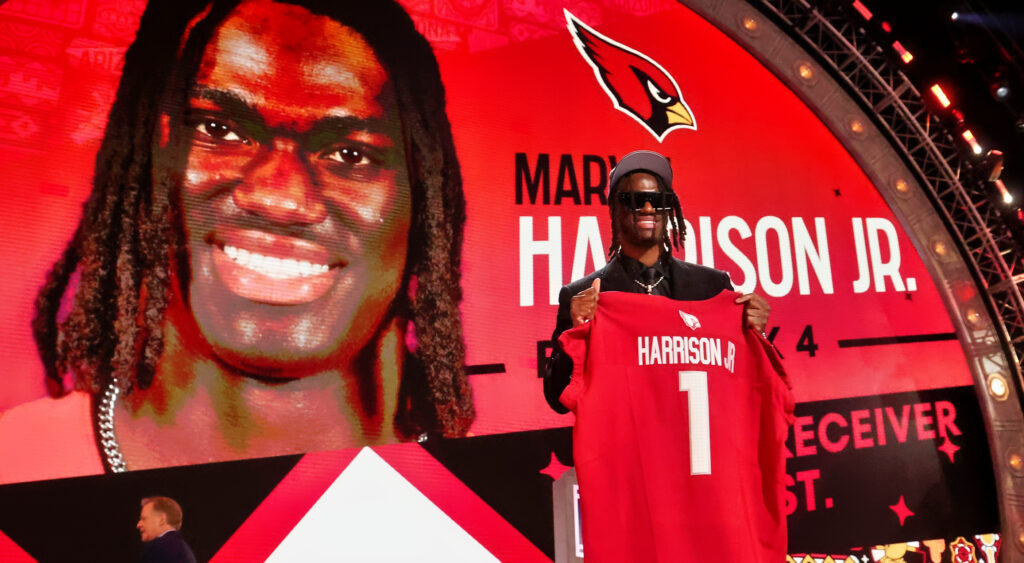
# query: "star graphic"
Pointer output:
{"type": "Point", "coordinates": [554, 468]}
{"type": "Point", "coordinates": [949, 448]}
{"type": "Point", "coordinates": [864, 558]}
{"type": "Point", "coordinates": [901, 510]}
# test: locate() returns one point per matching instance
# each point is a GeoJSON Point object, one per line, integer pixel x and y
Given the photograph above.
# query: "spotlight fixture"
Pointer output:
{"type": "Point", "coordinates": [992, 169]}
{"type": "Point", "coordinates": [968, 136]}
{"type": "Point", "coordinates": [905, 55]}
{"type": "Point", "coordinates": [1007, 196]}
{"type": "Point", "coordinates": [862, 9]}
{"type": "Point", "coordinates": [999, 85]}
{"type": "Point", "coordinates": [941, 96]}
{"type": "Point", "coordinates": [954, 16]}
{"type": "Point", "coordinates": [994, 164]}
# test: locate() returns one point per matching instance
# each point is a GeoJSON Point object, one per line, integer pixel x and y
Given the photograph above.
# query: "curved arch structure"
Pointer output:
{"type": "Point", "coordinates": [881, 119]}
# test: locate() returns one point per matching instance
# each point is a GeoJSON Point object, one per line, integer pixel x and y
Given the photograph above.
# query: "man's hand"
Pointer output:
{"type": "Point", "coordinates": [584, 304]}
{"type": "Point", "coordinates": [755, 311]}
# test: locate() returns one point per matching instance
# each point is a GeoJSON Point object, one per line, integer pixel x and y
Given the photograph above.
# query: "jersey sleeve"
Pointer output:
{"type": "Point", "coordinates": [574, 343]}
{"type": "Point", "coordinates": [778, 403]}
{"type": "Point", "coordinates": [777, 406]}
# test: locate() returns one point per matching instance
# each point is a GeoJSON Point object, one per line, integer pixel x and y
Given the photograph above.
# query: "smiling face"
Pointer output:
{"type": "Point", "coordinates": [642, 229]}
{"type": "Point", "coordinates": [296, 196]}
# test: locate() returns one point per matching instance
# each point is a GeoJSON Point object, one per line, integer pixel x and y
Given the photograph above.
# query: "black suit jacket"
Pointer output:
{"type": "Point", "coordinates": [168, 548]}
{"type": "Point", "coordinates": [689, 282]}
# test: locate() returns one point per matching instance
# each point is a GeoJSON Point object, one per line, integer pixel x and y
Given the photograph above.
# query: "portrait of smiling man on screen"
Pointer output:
{"type": "Point", "coordinates": [269, 260]}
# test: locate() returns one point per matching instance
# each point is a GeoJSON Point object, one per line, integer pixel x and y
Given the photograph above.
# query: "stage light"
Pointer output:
{"type": "Point", "coordinates": [940, 95]}
{"type": "Point", "coordinates": [994, 167]}
{"type": "Point", "coordinates": [954, 16]}
{"type": "Point", "coordinates": [994, 164]}
{"type": "Point", "coordinates": [1000, 87]}
{"type": "Point", "coordinates": [886, 27]}
{"type": "Point", "coordinates": [862, 9]}
{"type": "Point", "coordinates": [998, 388]}
{"type": "Point", "coordinates": [905, 55]}
{"type": "Point", "coordinates": [971, 140]}
{"type": "Point", "coordinates": [1007, 196]}
{"type": "Point", "coordinates": [973, 316]}
{"type": "Point", "coordinates": [1016, 462]}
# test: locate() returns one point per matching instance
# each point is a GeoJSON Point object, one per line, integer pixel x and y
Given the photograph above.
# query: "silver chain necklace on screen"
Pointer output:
{"type": "Point", "coordinates": [108, 439]}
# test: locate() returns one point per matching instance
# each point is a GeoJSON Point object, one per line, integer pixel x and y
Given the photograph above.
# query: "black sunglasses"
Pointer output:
{"type": "Point", "coordinates": [660, 201]}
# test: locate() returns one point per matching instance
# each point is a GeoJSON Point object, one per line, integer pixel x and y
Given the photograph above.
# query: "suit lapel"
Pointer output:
{"type": "Point", "coordinates": [615, 278]}
{"type": "Point", "coordinates": [680, 281]}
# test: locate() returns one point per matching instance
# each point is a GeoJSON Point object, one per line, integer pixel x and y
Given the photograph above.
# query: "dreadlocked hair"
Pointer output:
{"type": "Point", "coordinates": [674, 236]}
{"type": "Point", "coordinates": [435, 396]}
{"type": "Point", "coordinates": [131, 225]}
{"type": "Point", "coordinates": [113, 331]}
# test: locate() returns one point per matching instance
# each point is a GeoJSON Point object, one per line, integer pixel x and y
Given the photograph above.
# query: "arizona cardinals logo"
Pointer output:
{"type": "Point", "coordinates": [638, 86]}
{"type": "Point", "coordinates": [690, 320]}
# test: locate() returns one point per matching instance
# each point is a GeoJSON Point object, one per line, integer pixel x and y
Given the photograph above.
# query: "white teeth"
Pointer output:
{"type": "Point", "coordinates": [282, 268]}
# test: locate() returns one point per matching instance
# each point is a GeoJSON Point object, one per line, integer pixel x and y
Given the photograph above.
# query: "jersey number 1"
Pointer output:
{"type": "Point", "coordinates": [695, 385]}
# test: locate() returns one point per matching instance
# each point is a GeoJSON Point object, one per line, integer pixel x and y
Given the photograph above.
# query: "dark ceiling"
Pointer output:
{"type": "Point", "coordinates": [969, 56]}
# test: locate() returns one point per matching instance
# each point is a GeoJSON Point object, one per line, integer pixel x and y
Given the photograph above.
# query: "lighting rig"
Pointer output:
{"type": "Point", "coordinates": [966, 56]}
{"type": "Point", "coordinates": [943, 94]}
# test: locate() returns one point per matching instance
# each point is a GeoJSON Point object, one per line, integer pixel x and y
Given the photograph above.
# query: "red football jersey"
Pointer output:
{"type": "Point", "coordinates": [681, 415]}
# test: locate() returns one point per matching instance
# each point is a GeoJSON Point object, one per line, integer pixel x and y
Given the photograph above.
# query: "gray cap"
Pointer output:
{"type": "Point", "coordinates": [647, 161]}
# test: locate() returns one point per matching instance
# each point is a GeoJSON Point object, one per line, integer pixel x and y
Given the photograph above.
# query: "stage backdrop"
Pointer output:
{"type": "Point", "coordinates": [888, 444]}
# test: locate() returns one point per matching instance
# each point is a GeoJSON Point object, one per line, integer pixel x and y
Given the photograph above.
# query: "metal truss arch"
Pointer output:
{"type": "Point", "coordinates": [936, 191]}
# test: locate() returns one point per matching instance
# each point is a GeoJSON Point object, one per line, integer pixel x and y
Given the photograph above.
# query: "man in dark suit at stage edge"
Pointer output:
{"type": "Point", "coordinates": [159, 523]}
{"type": "Point", "coordinates": [642, 203]}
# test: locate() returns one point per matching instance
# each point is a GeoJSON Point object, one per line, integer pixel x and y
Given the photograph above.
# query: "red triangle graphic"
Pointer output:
{"type": "Point", "coordinates": [285, 506]}
{"type": "Point", "coordinates": [11, 552]}
{"type": "Point", "coordinates": [460, 503]}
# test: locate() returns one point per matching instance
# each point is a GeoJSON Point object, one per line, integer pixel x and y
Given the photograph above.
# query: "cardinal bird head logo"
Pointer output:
{"type": "Point", "coordinates": [690, 320]}
{"type": "Point", "coordinates": [638, 86]}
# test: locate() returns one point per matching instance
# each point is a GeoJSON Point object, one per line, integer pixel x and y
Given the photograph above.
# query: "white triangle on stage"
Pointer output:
{"type": "Point", "coordinates": [372, 513]}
